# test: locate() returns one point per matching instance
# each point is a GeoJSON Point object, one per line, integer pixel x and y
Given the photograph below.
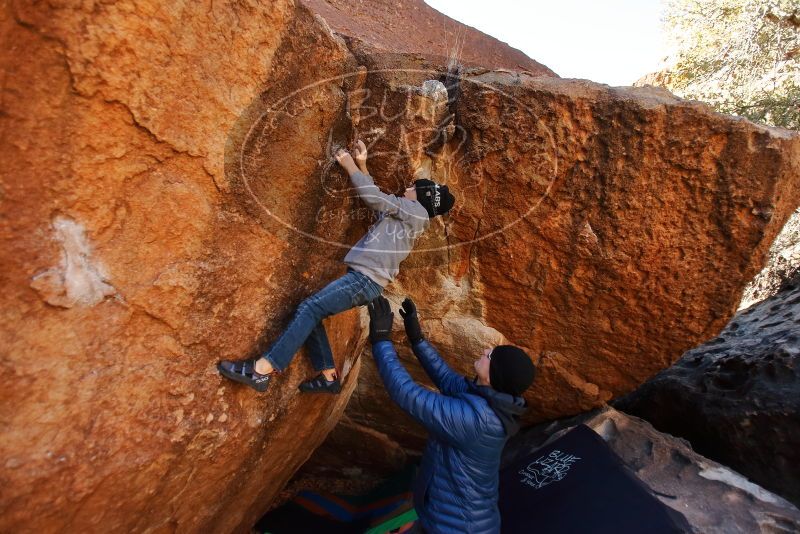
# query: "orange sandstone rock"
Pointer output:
{"type": "Point", "coordinates": [169, 196]}
{"type": "Point", "coordinates": [129, 269]}
{"type": "Point", "coordinates": [414, 27]}
{"type": "Point", "coordinates": [604, 230]}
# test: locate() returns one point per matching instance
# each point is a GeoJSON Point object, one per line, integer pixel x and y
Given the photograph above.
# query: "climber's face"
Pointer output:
{"type": "Point", "coordinates": [482, 366]}
{"type": "Point", "coordinates": [410, 193]}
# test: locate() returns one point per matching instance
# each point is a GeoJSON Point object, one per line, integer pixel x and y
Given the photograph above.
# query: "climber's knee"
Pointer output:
{"type": "Point", "coordinates": [310, 308]}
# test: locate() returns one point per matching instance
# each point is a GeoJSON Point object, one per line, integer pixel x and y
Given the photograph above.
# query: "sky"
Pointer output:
{"type": "Point", "coordinates": [608, 41]}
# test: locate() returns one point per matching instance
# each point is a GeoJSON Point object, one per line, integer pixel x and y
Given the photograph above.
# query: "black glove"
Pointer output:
{"type": "Point", "coordinates": [411, 321]}
{"type": "Point", "coordinates": [380, 320]}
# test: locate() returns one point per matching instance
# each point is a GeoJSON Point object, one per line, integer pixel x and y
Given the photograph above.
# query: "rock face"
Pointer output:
{"type": "Point", "coordinates": [133, 260]}
{"type": "Point", "coordinates": [168, 197]}
{"type": "Point", "coordinates": [412, 26]}
{"type": "Point", "coordinates": [598, 225]}
{"type": "Point", "coordinates": [713, 498]}
{"type": "Point", "coordinates": [737, 398]}
{"type": "Point", "coordinates": [128, 270]}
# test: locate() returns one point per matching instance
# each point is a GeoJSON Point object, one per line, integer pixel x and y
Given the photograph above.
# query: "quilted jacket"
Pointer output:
{"type": "Point", "coordinates": [468, 425]}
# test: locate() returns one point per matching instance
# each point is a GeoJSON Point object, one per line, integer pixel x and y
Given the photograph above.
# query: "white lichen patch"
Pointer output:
{"type": "Point", "coordinates": [78, 280]}
{"type": "Point", "coordinates": [607, 429]}
{"type": "Point", "coordinates": [736, 480]}
{"type": "Point", "coordinates": [434, 89]}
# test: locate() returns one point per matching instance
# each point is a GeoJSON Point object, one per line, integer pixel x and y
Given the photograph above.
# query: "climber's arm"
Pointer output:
{"type": "Point", "coordinates": [449, 419]}
{"type": "Point", "coordinates": [372, 196]}
{"type": "Point", "coordinates": [448, 381]}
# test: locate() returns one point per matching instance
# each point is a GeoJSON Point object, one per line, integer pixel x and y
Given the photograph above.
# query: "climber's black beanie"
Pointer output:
{"type": "Point", "coordinates": [437, 199]}
{"type": "Point", "coordinates": [510, 370]}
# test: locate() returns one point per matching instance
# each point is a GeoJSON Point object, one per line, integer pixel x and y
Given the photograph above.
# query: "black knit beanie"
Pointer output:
{"type": "Point", "coordinates": [437, 199]}
{"type": "Point", "coordinates": [510, 370]}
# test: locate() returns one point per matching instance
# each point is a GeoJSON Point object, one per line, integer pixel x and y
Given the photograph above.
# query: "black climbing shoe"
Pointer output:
{"type": "Point", "coordinates": [244, 371]}
{"type": "Point", "coordinates": [319, 384]}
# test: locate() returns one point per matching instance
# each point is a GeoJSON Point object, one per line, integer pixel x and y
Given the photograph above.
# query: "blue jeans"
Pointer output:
{"type": "Point", "coordinates": [351, 290]}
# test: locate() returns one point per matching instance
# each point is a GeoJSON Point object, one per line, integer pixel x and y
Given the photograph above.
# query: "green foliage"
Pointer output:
{"type": "Point", "coordinates": [741, 56]}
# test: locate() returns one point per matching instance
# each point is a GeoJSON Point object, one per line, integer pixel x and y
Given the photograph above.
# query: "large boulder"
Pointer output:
{"type": "Point", "coordinates": [589, 224]}
{"type": "Point", "coordinates": [712, 497]}
{"type": "Point", "coordinates": [169, 196]}
{"type": "Point", "coordinates": [591, 228]}
{"type": "Point", "coordinates": [737, 397]}
{"type": "Point", "coordinates": [129, 270]}
{"type": "Point", "coordinates": [135, 255]}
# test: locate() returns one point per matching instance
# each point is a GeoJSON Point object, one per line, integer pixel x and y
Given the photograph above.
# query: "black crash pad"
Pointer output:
{"type": "Point", "coordinates": [576, 484]}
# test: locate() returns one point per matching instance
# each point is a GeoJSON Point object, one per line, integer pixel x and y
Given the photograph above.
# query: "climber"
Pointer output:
{"type": "Point", "coordinates": [371, 264]}
{"type": "Point", "coordinates": [468, 423]}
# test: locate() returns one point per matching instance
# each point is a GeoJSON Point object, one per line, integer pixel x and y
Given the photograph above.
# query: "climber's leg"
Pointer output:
{"type": "Point", "coordinates": [338, 296]}
{"type": "Point", "coordinates": [319, 349]}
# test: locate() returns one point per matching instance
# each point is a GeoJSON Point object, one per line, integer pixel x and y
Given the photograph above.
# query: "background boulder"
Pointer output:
{"type": "Point", "coordinates": [737, 397]}
{"type": "Point", "coordinates": [713, 498]}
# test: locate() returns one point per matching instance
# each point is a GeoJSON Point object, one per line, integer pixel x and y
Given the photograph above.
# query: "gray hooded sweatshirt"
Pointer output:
{"type": "Point", "coordinates": [390, 239]}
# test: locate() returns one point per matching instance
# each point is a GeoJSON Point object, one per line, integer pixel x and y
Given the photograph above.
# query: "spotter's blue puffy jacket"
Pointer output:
{"type": "Point", "coordinates": [456, 489]}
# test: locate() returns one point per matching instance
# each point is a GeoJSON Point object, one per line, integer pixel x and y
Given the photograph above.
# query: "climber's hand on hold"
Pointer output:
{"type": "Point", "coordinates": [360, 154]}
{"type": "Point", "coordinates": [344, 159]}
